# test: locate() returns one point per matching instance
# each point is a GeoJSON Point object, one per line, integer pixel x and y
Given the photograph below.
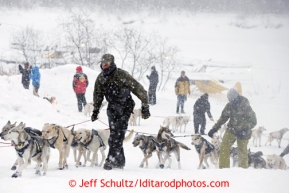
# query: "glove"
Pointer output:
{"type": "Point", "coordinates": [282, 154]}
{"type": "Point", "coordinates": [148, 76]}
{"type": "Point", "coordinates": [145, 112]}
{"type": "Point", "coordinates": [212, 119]}
{"type": "Point", "coordinates": [212, 131]}
{"type": "Point", "coordinates": [94, 115]}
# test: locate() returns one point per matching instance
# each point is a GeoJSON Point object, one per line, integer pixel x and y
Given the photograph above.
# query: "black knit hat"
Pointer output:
{"type": "Point", "coordinates": [107, 58]}
{"type": "Point", "coordinates": [153, 68]}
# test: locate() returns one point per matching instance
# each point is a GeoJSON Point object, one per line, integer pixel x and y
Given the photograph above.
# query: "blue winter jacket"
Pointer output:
{"type": "Point", "coordinates": [35, 76]}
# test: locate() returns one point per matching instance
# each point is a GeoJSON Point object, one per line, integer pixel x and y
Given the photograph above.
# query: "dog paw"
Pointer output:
{"type": "Point", "coordinates": [65, 166]}
{"type": "Point", "coordinates": [162, 166]}
{"type": "Point", "coordinates": [83, 165]}
{"type": "Point", "coordinates": [44, 174]}
{"type": "Point", "coordinates": [141, 165]}
{"type": "Point", "coordinates": [16, 175]}
{"type": "Point", "coordinates": [13, 167]}
{"type": "Point", "coordinates": [38, 172]}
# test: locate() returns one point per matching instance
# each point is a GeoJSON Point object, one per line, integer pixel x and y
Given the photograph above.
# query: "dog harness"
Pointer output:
{"type": "Point", "coordinates": [20, 149]}
{"type": "Point", "coordinates": [94, 132]}
{"type": "Point", "coordinates": [54, 141]}
{"type": "Point", "coordinates": [144, 146]}
{"type": "Point", "coordinates": [209, 148]}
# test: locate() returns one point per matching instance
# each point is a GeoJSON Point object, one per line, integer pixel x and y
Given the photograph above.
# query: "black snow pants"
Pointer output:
{"type": "Point", "coordinates": [80, 101]}
{"type": "Point", "coordinates": [199, 119]}
{"type": "Point", "coordinates": [152, 94]}
{"type": "Point", "coordinates": [118, 125]}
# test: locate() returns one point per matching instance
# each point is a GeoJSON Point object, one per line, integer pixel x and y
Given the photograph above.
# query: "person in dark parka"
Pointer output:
{"type": "Point", "coordinates": [242, 119]}
{"type": "Point", "coordinates": [201, 107]}
{"type": "Point", "coordinates": [285, 151]}
{"type": "Point", "coordinates": [154, 79]}
{"type": "Point", "coordinates": [116, 86]}
{"type": "Point", "coordinates": [25, 74]}
{"type": "Point", "coordinates": [79, 84]}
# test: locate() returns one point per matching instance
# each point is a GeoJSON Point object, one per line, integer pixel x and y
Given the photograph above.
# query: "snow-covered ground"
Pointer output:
{"type": "Point", "coordinates": [200, 37]}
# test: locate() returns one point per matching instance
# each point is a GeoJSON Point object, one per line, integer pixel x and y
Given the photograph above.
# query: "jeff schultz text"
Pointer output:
{"type": "Point", "coordinates": [149, 183]}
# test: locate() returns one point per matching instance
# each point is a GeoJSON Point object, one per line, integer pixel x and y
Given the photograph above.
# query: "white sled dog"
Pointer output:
{"type": "Point", "coordinates": [175, 122]}
{"type": "Point", "coordinates": [88, 108]}
{"type": "Point", "coordinates": [94, 140]}
{"type": "Point", "coordinates": [60, 138]}
{"type": "Point", "coordinates": [257, 134]}
{"type": "Point", "coordinates": [4, 131]}
{"type": "Point", "coordinates": [278, 135]}
{"type": "Point", "coordinates": [136, 115]}
{"type": "Point", "coordinates": [28, 148]}
{"type": "Point", "coordinates": [205, 150]}
{"type": "Point", "coordinates": [275, 162]}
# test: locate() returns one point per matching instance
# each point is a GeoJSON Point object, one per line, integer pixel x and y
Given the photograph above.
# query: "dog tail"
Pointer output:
{"type": "Point", "coordinates": [183, 146]}
{"type": "Point", "coordinates": [129, 136]}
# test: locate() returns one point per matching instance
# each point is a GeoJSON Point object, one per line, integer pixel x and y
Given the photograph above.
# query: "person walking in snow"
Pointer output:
{"type": "Point", "coordinates": [242, 119]}
{"type": "Point", "coordinates": [35, 76]}
{"type": "Point", "coordinates": [25, 74]}
{"type": "Point", "coordinates": [182, 89]}
{"type": "Point", "coordinates": [285, 151]}
{"type": "Point", "coordinates": [154, 79]}
{"type": "Point", "coordinates": [79, 84]}
{"type": "Point", "coordinates": [116, 86]}
{"type": "Point", "coordinates": [201, 107]}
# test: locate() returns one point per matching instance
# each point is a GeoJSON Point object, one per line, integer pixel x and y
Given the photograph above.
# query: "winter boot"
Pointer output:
{"type": "Point", "coordinates": [107, 166]}
{"type": "Point", "coordinates": [182, 110]}
{"type": "Point", "coordinates": [203, 132]}
{"type": "Point", "coordinates": [196, 131]}
{"type": "Point", "coordinates": [177, 110]}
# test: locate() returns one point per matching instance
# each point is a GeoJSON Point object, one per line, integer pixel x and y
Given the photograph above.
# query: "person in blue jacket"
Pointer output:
{"type": "Point", "coordinates": [35, 77]}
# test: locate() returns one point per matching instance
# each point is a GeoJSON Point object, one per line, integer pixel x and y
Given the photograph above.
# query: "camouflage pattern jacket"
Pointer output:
{"type": "Point", "coordinates": [117, 91]}
{"type": "Point", "coordinates": [242, 119]}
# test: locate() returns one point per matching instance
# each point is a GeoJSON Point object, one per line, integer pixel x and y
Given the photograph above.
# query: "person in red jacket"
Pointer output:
{"type": "Point", "coordinates": [80, 83]}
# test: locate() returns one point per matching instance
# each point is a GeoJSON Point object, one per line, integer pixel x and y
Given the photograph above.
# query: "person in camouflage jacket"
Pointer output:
{"type": "Point", "coordinates": [116, 86]}
{"type": "Point", "coordinates": [242, 119]}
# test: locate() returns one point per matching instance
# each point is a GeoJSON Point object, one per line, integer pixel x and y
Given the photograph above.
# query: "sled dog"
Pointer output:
{"type": "Point", "coordinates": [216, 143]}
{"type": "Point", "coordinates": [166, 145]}
{"type": "Point", "coordinates": [278, 135]}
{"type": "Point", "coordinates": [176, 122]}
{"type": "Point", "coordinates": [28, 147]}
{"type": "Point", "coordinates": [147, 145]}
{"type": "Point", "coordinates": [275, 162]}
{"type": "Point", "coordinates": [255, 160]}
{"type": "Point", "coordinates": [60, 138]}
{"type": "Point", "coordinates": [88, 108]}
{"type": "Point", "coordinates": [257, 134]}
{"type": "Point", "coordinates": [205, 150]}
{"type": "Point", "coordinates": [136, 115]}
{"type": "Point", "coordinates": [78, 151]}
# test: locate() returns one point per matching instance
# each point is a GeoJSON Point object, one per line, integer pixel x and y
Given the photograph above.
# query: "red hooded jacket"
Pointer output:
{"type": "Point", "coordinates": [80, 81]}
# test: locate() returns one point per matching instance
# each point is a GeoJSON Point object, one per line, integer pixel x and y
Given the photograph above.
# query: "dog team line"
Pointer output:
{"type": "Point", "coordinates": [149, 183]}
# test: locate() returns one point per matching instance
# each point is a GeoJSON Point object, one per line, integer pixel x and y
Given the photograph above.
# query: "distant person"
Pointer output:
{"type": "Point", "coordinates": [285, 151]}
{"type": "Point", "coordinates": [201, 107]}
{"type": "Point", "coordinates": [25, 74]}
{"type": "Point", "coordinates": [79, 84]}
{"type": "Point", "coordinates": [241, 119]}
{"type": "Point", "coordinates": [35, 76]}
{"type": "Point", "coordinates": [182, 89]}
{"type": "Point", "coordinates": [154, 79]}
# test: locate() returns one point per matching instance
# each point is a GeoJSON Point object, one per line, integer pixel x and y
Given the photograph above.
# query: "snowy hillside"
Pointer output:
{"type": "Point", "coordinates": [19, 105]}
{"type": "Point", "coordinates": [200, 37]}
